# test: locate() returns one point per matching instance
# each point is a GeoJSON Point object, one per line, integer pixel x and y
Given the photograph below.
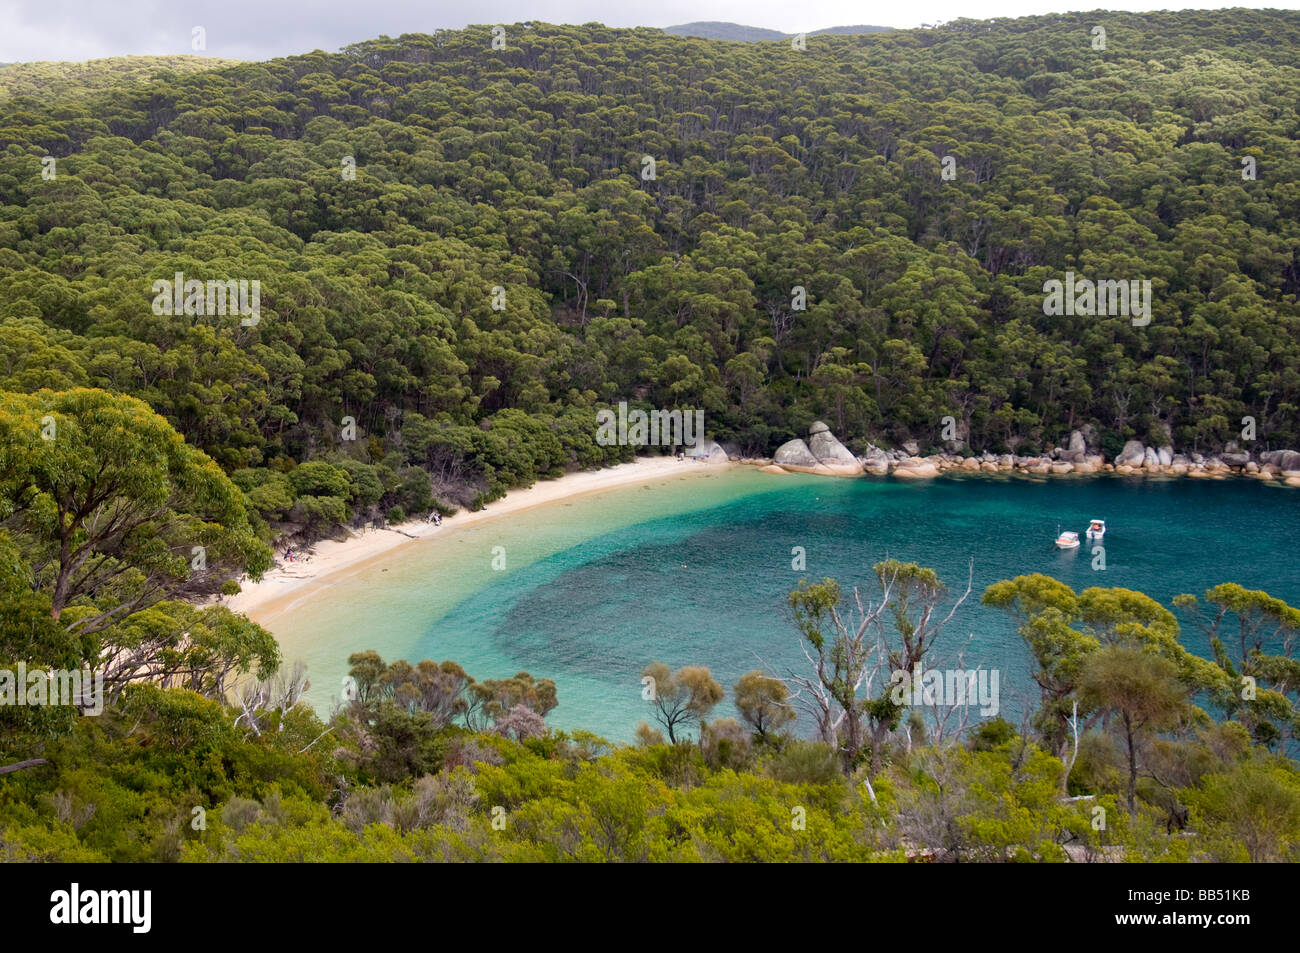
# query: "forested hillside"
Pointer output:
{"type": "Point", "coordinates": [380, 194]}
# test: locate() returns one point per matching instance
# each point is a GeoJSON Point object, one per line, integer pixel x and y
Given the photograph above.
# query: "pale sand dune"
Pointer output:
{"type": "Point", "coordinates": [289, 584]}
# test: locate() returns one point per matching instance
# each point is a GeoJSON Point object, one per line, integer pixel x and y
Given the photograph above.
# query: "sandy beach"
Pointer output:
{"type": "Point", "coordinates": [290, 584]}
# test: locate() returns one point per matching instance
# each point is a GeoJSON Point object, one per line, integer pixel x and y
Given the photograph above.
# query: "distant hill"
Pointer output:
{"type": "Point", "coordinates": [715, 30]}
{"type": "Point", "coordinates": [859, 28]}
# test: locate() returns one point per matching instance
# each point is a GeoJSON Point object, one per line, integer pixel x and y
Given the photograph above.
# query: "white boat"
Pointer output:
{"type": "Point", "coordinates": [1096, 529]}
{"type": "Point", "coordinates": [1068, 540]}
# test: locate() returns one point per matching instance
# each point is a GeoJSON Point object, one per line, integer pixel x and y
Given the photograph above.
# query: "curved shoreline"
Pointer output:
{"type": "Point", "coordinates": [288, 585]}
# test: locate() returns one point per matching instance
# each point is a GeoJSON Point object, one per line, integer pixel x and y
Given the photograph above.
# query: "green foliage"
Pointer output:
{"type": "Point", "coordinates": [1254, 637]}
{"type": "Point", "coordinates": [924, 295]}
{"type": "Point", "coordinates": [857, 661]}
{"type": "Point", "coordinates": [680, 698]}
{"type": "Point", "coordinates": [165, 775]}
{"type": "Point", "coordinates": [124, 786]}
{"type": "Point", "coordinates": [60, 80]}
{"type": "Point", "coordinates": [804, 762]}
{"type": "Point", "coordinates": [104, 496]}
{"type": "Point", "coordinates": [992, 734]}
{"type": "Point", "coordinates": [1065, 631]}
{"type": "Point", "coordinates": [763, 703]}
{"type": "Point", "coordinates": [1256, 809]}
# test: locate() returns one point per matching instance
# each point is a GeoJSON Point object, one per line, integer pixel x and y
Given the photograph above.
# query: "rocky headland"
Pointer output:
{"type": "Point", "coordinates": [824, 454]}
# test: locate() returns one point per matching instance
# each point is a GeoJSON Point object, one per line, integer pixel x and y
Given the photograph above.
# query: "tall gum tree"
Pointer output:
{"type": "Point", "coordinates": [114, 509]}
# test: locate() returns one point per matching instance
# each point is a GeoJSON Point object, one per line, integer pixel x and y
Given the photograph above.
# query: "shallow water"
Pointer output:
{"type": "Point", "coordinates": [696, 570]}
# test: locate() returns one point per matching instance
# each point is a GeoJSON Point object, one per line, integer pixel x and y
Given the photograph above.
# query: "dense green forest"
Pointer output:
{"type": "Point", "coordinates": [461, 256]}
{"type": "Point", "coordinates": [522, 170]}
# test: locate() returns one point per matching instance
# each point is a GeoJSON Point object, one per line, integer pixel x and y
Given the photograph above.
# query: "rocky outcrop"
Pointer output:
{"type": "Point", "coordinates": [829, 451]}
{"type": "Point", "coordinates": [1132, 455]}
{"type": "Point", "coordinates": [822, 453]}
{"type": "Point", "coordinates": [916, 468]}
{"type": "Point", "coordinates": [1282, 459]}
{"type": "Point", "coordinates": [794, 453]}
{"type": "Point", "coordinates": [875, 460]}
{"type": "Point", "coordinates": [708, 450]}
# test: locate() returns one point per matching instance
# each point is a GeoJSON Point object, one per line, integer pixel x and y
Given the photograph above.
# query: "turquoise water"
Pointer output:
{"type": "Point", "coordinates": [696, 571]}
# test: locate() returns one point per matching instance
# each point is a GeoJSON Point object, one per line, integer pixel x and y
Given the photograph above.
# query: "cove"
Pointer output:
{"type": "Point", "coordinates": [696, 570]}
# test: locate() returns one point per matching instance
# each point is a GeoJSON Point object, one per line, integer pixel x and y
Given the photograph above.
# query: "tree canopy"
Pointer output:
{"type": "Point", "coordinates": [460, 251]}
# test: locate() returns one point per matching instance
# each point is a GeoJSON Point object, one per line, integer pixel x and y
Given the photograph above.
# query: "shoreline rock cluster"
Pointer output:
{"type": "Point", "coordinates": [823, 454]}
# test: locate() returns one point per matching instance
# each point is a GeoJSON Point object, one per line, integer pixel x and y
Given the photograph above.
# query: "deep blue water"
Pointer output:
{"type": "Point", "coordinates": [709, 587]}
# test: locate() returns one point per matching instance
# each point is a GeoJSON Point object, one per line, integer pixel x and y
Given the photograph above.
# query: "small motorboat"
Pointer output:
{"type": "Point", "coordinates": [1096, 529]}
{"type": "Point", "coordinates": [1068, 540]}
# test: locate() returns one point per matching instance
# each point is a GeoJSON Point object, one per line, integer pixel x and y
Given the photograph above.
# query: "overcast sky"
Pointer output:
{"type": "Point", "coordinates": [261, 29]}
